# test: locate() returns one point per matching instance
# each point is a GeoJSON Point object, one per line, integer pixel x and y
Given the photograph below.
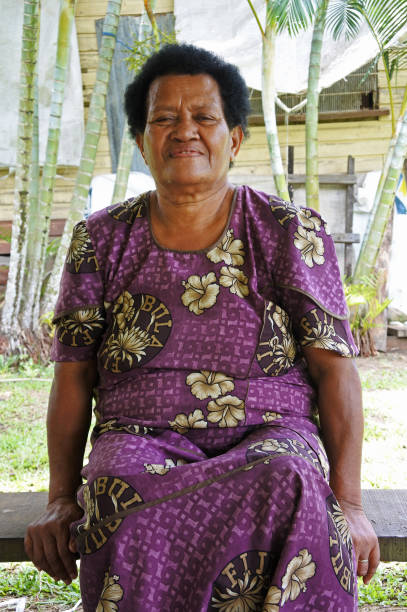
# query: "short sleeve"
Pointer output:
{"type": "Point", "coordinates": [306, 259]}
{"type": "Point", "coordinates": [79, 315]}
{"type": "Point", "coordinates": [314, 327]}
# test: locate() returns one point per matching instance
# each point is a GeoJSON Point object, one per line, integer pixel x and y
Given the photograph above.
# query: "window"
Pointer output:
{"type": "Point", "coordinates": [353, 97]}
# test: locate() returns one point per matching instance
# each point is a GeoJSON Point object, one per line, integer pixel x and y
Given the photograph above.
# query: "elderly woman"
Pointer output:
{"type": "Point", "coordinates": [210, 324]}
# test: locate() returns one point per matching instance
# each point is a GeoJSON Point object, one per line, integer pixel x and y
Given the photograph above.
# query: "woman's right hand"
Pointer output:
{"type": "Point", "coordinates": [48, 542]}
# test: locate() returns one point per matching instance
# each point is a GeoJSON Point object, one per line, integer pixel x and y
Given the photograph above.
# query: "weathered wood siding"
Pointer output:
{"type": "Point", "coordinates": [366, 140]}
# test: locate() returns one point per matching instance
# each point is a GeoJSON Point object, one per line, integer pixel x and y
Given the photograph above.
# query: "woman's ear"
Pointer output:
{"type": "Point", "coordinates": [140, 144]}
{"type": "Point", "coordinates": [236, 135]}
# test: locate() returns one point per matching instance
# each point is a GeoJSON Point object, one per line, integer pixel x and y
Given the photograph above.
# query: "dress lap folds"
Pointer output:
{"type": "Point", "coordinates": [206, 487]}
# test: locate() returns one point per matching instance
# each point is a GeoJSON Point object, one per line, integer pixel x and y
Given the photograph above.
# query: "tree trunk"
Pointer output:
{"type": "Point", "coordinates": [39, 255]}
{"type": "Point", "coordinates": [34, 222]}
{"type": "Point", "coordinates": [88, 157]}
{"type": "Point", "coordinates": [123, 166]}
{"type": "Point", "coordinates": [368, 256]}
{"type": "Point", "coordinates": [269, 109]}
{"type": "Point", "coordinates": [311, 117]}
{"type": "Point", "coordinates": [10, 323]}
{"type": "Point", "coordinates": [383, 175]}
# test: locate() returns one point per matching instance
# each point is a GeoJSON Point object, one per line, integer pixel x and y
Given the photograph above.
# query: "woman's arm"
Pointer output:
{"type": "Point", "coordinates": [47, 541]}
{"type": "Point", "coordinates": [340, 409]}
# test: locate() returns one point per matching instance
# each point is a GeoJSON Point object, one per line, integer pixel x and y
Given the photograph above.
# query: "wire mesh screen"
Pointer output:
{"type": "Point", "coordinates": [358, 91]}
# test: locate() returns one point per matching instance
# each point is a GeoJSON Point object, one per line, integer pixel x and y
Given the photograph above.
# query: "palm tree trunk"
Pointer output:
{"type": "Point", "coordinates": [34, 224]}
{"type": "Point", "coordinates": [383, 175]}
{"type": "Point", "coordinates": [123, 166]}
{"type": "Point", "coordinates": [92, 135]}
{"type": "Point", "coordinates": [10, 323]}
{"type": "Point", "coordinates": [39, 247]}
{"type": "Point", "coordinates": [269, 108]}
{"type": "Point", "coordinates": [368, 257]}
{"type": "Point", "coordinates": [311, 117]}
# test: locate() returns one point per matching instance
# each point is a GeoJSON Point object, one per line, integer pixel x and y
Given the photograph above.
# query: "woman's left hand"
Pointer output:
{"type": "Point", "coordinates": [365, 543]}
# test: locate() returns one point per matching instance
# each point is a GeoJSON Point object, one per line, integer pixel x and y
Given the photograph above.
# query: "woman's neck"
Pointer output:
{"type": "Point", "coordinates": [185, 221]}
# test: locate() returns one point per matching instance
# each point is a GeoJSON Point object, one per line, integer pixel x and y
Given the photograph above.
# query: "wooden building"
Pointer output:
{"type": "Point", "coordinates": [363, 133]}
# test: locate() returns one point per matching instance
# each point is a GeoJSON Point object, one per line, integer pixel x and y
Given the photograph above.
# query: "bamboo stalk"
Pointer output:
{"type": "Point", "coordinates": [39, 254]}
{"type": "Point", "coordinates": [269, 109]}
{"type": "Point", "coordinates": [10, 323]}
{"type": "Point", "coordinates": [311, 115]}
{"type": "Point", "coordinates": [88, 157]}
{"type": "Point", "coordinates": [367, 260]}
{"type": "Point", "coordinates": [123, 166]}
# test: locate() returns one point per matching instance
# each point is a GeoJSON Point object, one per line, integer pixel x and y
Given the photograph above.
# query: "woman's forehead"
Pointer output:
{"type": "Point", "coordinates": [199, 90]}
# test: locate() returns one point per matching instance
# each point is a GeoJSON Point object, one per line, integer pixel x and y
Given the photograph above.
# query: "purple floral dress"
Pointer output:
{"type": "Point", "coordinates": [206, 488]}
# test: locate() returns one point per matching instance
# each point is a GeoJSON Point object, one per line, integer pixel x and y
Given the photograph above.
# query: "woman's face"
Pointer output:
{"type": "Point", "coordinates": [187, 141]}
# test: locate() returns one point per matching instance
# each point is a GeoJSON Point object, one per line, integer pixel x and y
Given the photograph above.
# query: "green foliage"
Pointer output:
{"type": "Point", "coordinates": [291, 15]}
{"type": "Point", "coordinates": [142, 49]}
{"type": "Point", "coordinates": [46, 321]}
{"type": "Point", "coordinates": [344, 18]}
{"type": "Point", "coordinates": [52, 247]}
{"type": "Point", "coordinates": [21, 366]}
{"type": "Point", "coordinates": [6, 236]}
{"type": "Point", "coordinates": [363, 303]}
{"type": "Point", "coordinates": [22, 579]}
{"type": "Point", "coordinates": [388, 587]}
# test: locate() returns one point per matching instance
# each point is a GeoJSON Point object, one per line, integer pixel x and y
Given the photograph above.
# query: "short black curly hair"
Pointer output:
{"type": "Point", "coordinates": [188, 59]}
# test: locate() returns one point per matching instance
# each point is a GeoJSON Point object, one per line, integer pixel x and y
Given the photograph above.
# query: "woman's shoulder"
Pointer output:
{"type": "Point", "coordinates": [277, 211]}
{"type": "Point", "coordinates": [120, 216]}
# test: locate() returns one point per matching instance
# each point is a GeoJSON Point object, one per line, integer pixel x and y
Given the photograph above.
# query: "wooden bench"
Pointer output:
{"type": "Point", "coordinates": [387, 510]}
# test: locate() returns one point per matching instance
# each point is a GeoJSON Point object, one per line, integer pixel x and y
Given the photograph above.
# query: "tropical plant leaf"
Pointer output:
{"type": "Point", "coordinates": [344, 18]}
{"type": "Point", "coordinates": [387, 19]}
{"type": "Point", "coordinates": [291, 15]}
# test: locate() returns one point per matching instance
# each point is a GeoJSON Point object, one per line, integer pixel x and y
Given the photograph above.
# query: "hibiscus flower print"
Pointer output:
{"type": "Point", "coordinates": [226, 411]}
{"type": "Point", "coordinates": [235, 279]}
{"type": "Point", "coordinates": [305, 217]}
{"type": "Point", "coordinates": [280, 318]}
{"type": "Point", "coordinates": [270, 416]}
{"type": "Point", "coordinates": [299, 570]}
{"type": "Point", "coordinates": [200, 292]}
{"type": "Point", "coordinates": [322, 456]}
{"type": "Point", "coordinates": [206, 384]}
{"type": "Point", "coordinates": [310, 245]}
{"type": "Point", "coordinates": [79, 243]}
{"type": "Point", "coordinates": [230, 251]}
{"type": "Point", "coordinates": [123, 309]}
{"type": "Point", "coordinates": [246, 599]}
{"type": "Point", "coordinates": [194, 420]}
{"type": "Point", "coordinates": [112, 592]}
{"type": "Point", "coordinates": [272, 600]}
{"type": "Point", "coordinates": [270, 446]}
{"type": "Point", "coordinates": [163, 468]}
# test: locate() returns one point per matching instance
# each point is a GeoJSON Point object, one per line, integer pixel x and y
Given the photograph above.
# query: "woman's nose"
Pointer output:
{"type": "Point", "coordinates": [185, 129]}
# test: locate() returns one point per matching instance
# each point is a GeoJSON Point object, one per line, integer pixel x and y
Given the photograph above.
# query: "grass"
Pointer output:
{"type": "Point", "coordinates": [23, 466]}
{"type": "Point", "coordinates": [388, 587]}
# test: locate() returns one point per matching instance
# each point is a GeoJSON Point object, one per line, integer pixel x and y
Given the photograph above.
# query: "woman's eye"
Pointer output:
{"type": "Point", "coordinates": [166, 119]}
{"type": "Point", "coordinates": [205, 118]}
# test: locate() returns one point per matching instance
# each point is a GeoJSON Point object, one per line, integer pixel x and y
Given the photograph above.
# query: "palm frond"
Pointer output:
{"type": "Point", "coordinates": [291, 15]}
{"type": "Point", "coordinates": [344, 18]}
{"type": "Point", "coordinates": [386, 18]}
